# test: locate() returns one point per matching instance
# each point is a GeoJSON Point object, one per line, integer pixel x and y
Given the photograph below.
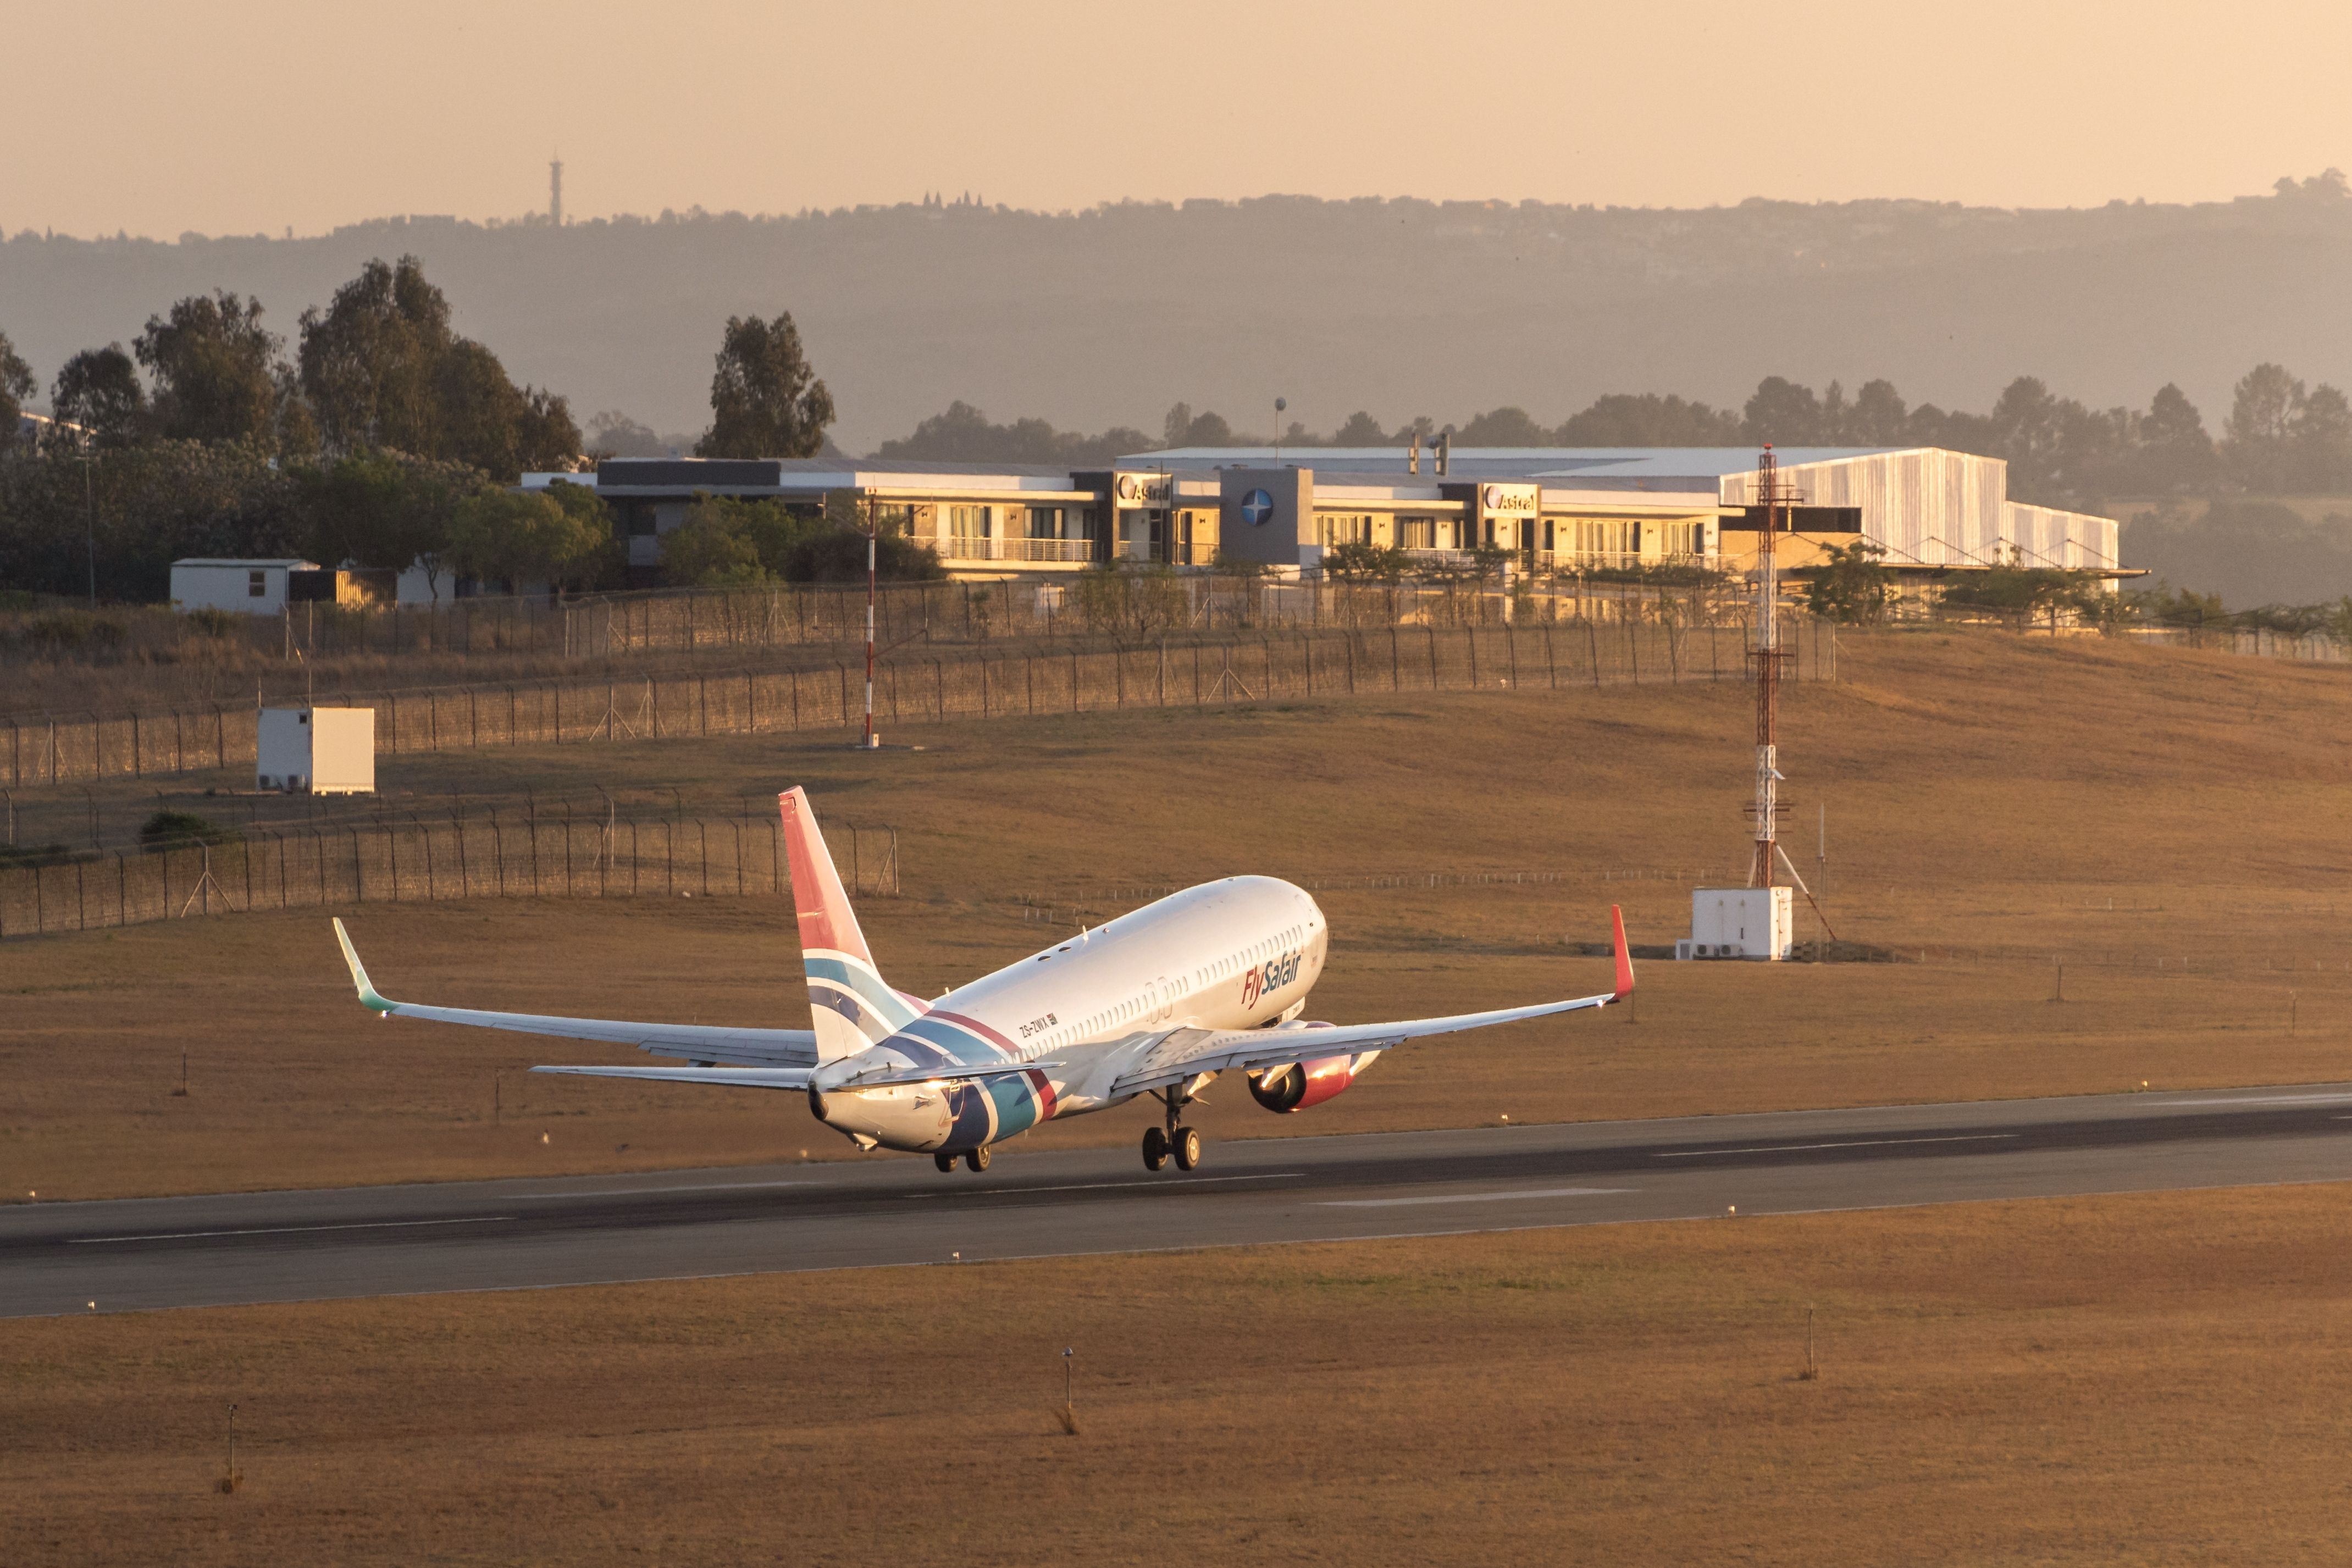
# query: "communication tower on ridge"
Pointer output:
{"type": "Point", "coordinates": [555, 191]}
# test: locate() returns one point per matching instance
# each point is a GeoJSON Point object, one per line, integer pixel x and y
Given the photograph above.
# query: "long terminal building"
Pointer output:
{"type": "Point", "coordinates": [1935, 513]}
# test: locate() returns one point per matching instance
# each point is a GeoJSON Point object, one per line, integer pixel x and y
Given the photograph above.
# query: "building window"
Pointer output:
{"type": "Point", "coordinates": [1046, 522]}
{"type": "Point", "coordinates": [257, 584]}
{"type": "Point", "coordinates": [967, 522]}
{"type": "Point", "coordinates": [1417, 533]}
{"type": "Point", "coordinates": [895, 517]}
{"type": "Point", "coordinates": [1344, 529]}
{"type": "Point", "coordinates": [1684, 538]}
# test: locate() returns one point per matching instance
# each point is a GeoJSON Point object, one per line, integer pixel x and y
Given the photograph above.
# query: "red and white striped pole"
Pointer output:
{"type": "Point", "coordinates": [873, 532]}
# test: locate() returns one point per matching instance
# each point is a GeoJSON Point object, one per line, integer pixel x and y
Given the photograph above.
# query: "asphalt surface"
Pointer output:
{"type": "Point", "coordinates": [148, 1253]}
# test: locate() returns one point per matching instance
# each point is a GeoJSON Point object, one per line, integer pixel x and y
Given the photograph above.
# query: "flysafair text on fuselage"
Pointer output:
{"type": "Point", "coordinates": [1158, 1002]}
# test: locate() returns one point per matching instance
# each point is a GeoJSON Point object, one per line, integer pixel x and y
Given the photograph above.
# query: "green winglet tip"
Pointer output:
{"type": "Point", "coordinates": [369, 997]}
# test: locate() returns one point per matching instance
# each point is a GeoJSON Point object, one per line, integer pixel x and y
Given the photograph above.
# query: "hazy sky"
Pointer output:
{"type": "Point", "coordinates": [242, 116]}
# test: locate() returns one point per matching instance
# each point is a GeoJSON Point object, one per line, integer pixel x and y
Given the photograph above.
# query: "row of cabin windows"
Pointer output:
{"type": "Point", "coordinates": [1131, 1008]}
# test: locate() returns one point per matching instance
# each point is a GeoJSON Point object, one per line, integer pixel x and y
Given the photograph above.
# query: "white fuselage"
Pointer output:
{"type": "Point", "coordinates": [1242, 953]}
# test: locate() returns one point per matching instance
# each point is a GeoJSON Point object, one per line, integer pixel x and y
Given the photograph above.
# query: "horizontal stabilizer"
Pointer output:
{"type": "Point", "coordinates": [882, 1076]}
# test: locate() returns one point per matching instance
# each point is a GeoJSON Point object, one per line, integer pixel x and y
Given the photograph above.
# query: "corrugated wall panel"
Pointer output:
{"type": "Point", "coordinates": [1934, 507]}
{"type": "Point", "coordinates": [2047, 537]}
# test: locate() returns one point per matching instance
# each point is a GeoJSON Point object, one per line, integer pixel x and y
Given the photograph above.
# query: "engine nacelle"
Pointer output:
{"type": "Point", "coordinates": [1283, 1089]}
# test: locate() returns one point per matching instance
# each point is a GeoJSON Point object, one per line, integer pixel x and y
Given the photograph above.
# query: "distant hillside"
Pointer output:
{"type": "Point", "coordinates": [1401, 307]}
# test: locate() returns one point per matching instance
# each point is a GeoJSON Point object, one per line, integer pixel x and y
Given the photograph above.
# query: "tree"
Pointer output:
{"type": "Point", "coordinates": [1504, 426]}
{"type": "Point", "coordinates": [710, 550]}
{"type": "Point", "coordinates": [2175, 451]}
{"type": "Point", "coordinates": [216, 369]}
{"type": "Point", "coordinates": [2322, 438]}
{"type": "Point", "coordinates": [964, 434]}
{"type": "Point", "coordinates": [98, 389]}
{"type": "Point", "coordinates": [156, 501]}
{"type": "Point", "coordinates": [1877, 416]}
{"type": "Point", "coordinates": [2026, 422]}
{"type": "Point", "coordinates": [612, 434]}
{"type": "Point", "coordinates": [1182, 427]}
{"type": "Point", "coordinates": [1358, 561]}
{"type": "Point", "coordinates": [386, 510]}
{"type": "Point", "coordinates": [381, 368]}
{"type": "Point", "coordinates": [520, 536]}
{"type": "Point", "coordinates": [1360, 430]}
{"type": "Point", "coordinates": [1646, 419]}
{"type": "Point", "coordinates": [16, 385]}
{"type": "Point", "coordinates": [2261, 429]}
{"type": "Point", "coordinates": [487, 420]}
{"type": "Point", "coordinates": [1783, 412]}
{"type": "Point", "coordinates": [766, 402]}
{"type": "Point", "coordinates": [1851, 586]}
{"type": "Point", "coordinates": [368, 362]}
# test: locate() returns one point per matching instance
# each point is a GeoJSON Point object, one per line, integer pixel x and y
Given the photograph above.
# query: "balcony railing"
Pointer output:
{"type": "Point", "coordinates": [966, 548]}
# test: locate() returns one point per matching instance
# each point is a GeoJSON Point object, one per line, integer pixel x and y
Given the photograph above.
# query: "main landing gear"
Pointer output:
{"type": "Point", "coordinates": [976, 1158]}
{"type": "Point", "coordinates": [1175, 1139]}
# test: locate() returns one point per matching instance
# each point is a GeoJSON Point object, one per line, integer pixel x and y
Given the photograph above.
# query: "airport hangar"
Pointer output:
{"type": "Point", "coordinates": [1936, 514]}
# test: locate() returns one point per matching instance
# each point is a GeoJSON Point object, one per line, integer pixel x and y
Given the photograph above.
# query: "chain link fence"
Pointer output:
{"type": "Point", "coordinates": [976, 683]}
{"type": "Point", "coordinates": [417, 859]}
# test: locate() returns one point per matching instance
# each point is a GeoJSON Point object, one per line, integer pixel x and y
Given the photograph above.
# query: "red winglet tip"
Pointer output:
{"type": "Point", "coordinates": [1625, 955]}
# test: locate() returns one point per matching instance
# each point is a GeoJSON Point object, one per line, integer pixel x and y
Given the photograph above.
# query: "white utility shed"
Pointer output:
{"type": "Point", "coordinates": [248, 587]}
{"type": "Point", "coordinates": [1740, 923]}
{"type": "Point", "coordinates": [317, 751]}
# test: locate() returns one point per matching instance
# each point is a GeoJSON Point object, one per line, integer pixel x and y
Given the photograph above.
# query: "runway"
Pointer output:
{"type": "Point", "coordinates": [149, 1253]}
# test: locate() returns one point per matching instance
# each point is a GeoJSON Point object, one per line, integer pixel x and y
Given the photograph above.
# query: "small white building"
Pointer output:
{"type": "Point", "coordinates": [1740, 923]}
{"type": "Point", "coordinates": [248, 587]}
{"type": "Point", "coordinates": [317, 751]}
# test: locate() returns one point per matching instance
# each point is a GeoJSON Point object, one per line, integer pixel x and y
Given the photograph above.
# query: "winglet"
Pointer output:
{"type": "Point", "coordinates": [1624, 957]}
{"type": "Point", "coordinates": [369, 998]}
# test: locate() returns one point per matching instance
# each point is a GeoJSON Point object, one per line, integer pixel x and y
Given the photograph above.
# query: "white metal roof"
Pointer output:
{"type": "Point", "coordinates": [294, 563]}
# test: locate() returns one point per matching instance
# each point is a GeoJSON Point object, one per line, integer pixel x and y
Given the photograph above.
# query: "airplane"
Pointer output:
{"type": "Point", "coordinates": [1158, 1001]}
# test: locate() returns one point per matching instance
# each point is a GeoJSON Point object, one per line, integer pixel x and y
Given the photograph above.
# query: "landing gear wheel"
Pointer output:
{"type": "Point", "coordinates": [978, 1158]}
{"type": "Point", "coordinates": [946, 1163]}
{"type": "Point", "coordinates": [1188, 1148]}
{"type": "Point", "coordinates": [1155, 1148]}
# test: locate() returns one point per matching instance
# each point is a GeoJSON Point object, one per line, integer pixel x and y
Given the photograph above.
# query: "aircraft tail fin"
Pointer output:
{"type": "Point", "coordinates": [850, 1005]}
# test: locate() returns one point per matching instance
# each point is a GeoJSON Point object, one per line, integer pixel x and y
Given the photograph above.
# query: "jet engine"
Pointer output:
{"type": "Point", "coordinates": [1283, 1089]}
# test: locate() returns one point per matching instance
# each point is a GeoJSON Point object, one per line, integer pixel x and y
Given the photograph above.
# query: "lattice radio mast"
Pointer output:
{"type": "Point", "coordinates": [1773, 495]}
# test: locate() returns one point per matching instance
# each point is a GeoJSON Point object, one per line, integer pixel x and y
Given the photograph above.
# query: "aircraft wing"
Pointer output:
{"type": "Point", "coordinates": [799, 1077]}
{"type": "Point", "coordinates": [773, 1048]}
{"type": "Point", "coordinates": [1185, 1053]}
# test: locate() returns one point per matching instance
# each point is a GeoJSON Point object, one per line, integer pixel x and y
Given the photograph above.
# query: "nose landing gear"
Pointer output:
{"type": "Point", "coordinates": [1175, 1141]}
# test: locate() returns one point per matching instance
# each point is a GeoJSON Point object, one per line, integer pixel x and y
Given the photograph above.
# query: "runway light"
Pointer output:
{"type": "Point", "coordinates": [1732, 1213]}
{"type": "Point", "coordinates": [542, 1137]}
{"type": "Point", "coordinates": [93, 1306]}
{"type": "Point", "coordinates": [955, 1257]}
{"type": "Point", "coordinates": [1506, 1117]}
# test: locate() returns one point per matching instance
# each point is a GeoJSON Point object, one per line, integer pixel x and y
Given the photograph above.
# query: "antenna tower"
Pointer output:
{"type": "Point", "coordinates": [555, 191]}
{"type": "Point", "coordinates": [1773, 496]}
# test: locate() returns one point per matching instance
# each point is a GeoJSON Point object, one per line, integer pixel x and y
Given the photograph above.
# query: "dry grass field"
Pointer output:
{"type": "Point", "coordinates": [2165, 823]}
{"type": "Point", "coordinates": [2144, 1379]}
